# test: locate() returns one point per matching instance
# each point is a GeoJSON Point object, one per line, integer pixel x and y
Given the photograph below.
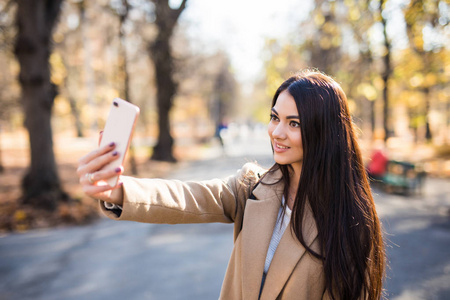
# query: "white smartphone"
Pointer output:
{"type": "Point", "coordinates": [118, 129]}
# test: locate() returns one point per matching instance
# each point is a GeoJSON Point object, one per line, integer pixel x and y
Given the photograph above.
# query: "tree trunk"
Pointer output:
{"type": "Point", "coordinates": [385, 78]}
{"type": "Point", "coordinates": [372, 118]}
{"type": "Point", "coordinates": [160, 52]}
{"type": "Point", "coordinates": [166, 88]}
{"type": "Point", "coordinates": [35, 20]}
{"type": "Point", "coordinates": [76, 115]}
{"type": "Point", "coordinates": [428, 135]}
{"type": "Point", "coordinates": [74, 110]}
{"type": "Point", "coordinates": [417, 17]}
{"type": "Point", "coordinates": [386, 72]}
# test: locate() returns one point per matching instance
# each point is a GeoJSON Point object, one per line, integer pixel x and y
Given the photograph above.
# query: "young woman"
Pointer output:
{"type": "Point", "coordinates": [305, 229]}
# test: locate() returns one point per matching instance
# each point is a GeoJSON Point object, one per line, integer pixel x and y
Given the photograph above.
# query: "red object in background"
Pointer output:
{"type": "Point", "coordinates": [378, 163]}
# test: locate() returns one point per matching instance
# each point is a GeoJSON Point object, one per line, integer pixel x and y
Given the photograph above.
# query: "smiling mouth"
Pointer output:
{"type": "Point", "coordinates": [281, 147]}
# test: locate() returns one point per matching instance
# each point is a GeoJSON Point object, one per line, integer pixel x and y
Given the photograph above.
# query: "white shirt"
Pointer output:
{"type": "Point", "coordinates": [278, 231]}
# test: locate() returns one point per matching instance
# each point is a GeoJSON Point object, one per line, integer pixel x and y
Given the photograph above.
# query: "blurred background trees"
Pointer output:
{"type": "Point", "coordinates": [161, 53]}
{"type": "Point", "coordinates": [36, 21]}
{"type": "Point", "coordinates": [9, 88]}
{"type": "Point", "coordinates": [391, 57]}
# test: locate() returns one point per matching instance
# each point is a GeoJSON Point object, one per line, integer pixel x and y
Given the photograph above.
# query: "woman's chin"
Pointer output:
{"type": "Point", "coordinates": [282, 161]}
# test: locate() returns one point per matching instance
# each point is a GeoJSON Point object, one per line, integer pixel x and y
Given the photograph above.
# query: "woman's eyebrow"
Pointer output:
{"type": "Point", "coordinates": [288, 117]}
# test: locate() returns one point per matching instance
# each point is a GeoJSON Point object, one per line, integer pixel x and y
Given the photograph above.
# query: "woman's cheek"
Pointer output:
{"type": "Point", "coordinates": [270, 129]}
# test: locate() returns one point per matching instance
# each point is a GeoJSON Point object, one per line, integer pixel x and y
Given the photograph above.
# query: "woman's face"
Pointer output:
{"type": "Point", "coordinates": [284, 132]}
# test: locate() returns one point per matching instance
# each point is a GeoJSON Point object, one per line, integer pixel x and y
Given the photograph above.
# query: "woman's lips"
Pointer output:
{"type": "Point", "coordinates": [280, 147]}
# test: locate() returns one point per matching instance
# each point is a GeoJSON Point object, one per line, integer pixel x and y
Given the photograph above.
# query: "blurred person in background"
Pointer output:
{"type": "Point", "coordinates": [306, 228]}
{"type": "Point", "coordinates": [376, 168]}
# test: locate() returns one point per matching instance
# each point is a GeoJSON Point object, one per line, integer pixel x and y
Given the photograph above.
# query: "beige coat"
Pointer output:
{"type": "Point", "coordinates": [293, 273]}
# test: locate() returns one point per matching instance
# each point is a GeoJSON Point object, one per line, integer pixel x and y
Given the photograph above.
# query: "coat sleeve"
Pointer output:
{"type": "Point", "coordinates": [175, 202]}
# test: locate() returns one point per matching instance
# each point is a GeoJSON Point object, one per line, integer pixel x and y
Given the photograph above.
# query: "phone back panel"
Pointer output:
{"type": "Point", "coordinates": [118, 129]}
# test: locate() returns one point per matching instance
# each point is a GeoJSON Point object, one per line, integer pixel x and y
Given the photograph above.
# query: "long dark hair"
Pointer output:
{"type": "Point", "coordinates": [334, 183]}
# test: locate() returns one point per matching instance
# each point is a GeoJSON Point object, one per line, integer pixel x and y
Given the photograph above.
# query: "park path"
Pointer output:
{"type": "Point", "coordinates": [125, 260]}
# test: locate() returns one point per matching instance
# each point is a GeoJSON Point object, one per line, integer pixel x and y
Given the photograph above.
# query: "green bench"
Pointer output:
{"type": "Point", "coordinates": [403, 177]}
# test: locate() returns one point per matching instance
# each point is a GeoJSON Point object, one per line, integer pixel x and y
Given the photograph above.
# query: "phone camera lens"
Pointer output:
{"type": "Point", "coordinates": [116, 104]}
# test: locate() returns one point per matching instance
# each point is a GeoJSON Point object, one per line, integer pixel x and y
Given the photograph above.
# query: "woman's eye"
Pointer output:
{"type": "Point", "coordinates": [273, 118]}
{"type": "Point", "coordinates": [295, 124]}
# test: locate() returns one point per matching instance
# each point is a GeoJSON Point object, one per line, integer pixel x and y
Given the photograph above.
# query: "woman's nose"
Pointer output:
{"type": "Point", "coordinates": [279, 132]}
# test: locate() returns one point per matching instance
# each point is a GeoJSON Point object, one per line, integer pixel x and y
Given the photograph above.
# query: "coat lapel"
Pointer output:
{"type": "Point", "coordinates": [287, 256]}
{"type": "Point", "coordinates": [259, 221]}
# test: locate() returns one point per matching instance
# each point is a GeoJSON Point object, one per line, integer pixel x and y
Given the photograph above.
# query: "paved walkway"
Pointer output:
{"type": "Point", "coordinates": [418, 242]}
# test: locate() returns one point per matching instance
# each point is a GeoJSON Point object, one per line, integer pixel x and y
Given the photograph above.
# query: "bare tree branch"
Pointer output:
{"type": "Point", "coordinates": [180, 10]}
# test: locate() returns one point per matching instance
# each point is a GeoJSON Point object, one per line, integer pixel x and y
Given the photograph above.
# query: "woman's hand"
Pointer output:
{"type": "Point", "coordinates": [93, 177]}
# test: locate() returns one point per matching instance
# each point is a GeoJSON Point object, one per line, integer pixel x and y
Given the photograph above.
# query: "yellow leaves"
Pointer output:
{"type": "Point", "coordinates": [280, 62]}
{"type": "Point", "coordinates": [331, 37]}
{"type": "Point", "coordinates": [20, 215]}
{"type": "Point", "coordinates": [368, 91]}
{"type": "Point", "coordinates": [336, 41]}
{"type": "Point", "coordinates": [348, 3]}
{"type": "Point", "coordinates": [378, 83]}
{"type": "Point", "coordinates": [409, 98]}
{"type": "Point", "coordinates": [261, 113]}
{"type": "Point", "coordinates": [61, 106]}
{"type": "Point", "coordinates": [274, 80]}
{"type": "Point", "coordinates": [325, 43]}
{"type": "Point", "coordinates": [58, 72]}
{"type": "Point", "coordinates": [414, 99]}
{"type": "Point", "coordinates": [20, 220]}
{"type": "Point", "coordinates": [330, 28]}
{"type": "Point", "coordinates": [430, 6]}
{"type": "Point", "coordinates": [354, 14]}
{"type": "Point", "coordinates": [418, 42]}
{"type": "Point", "coordinates": [421, 80]}
{"type": "Point", "coordinates": [416, 80]}
{"type": "Point", "coordinates": [319, 19]}
{"type": "Point", "coordinates": [418, 121]}
{"type": "Point", "coordinates": [430, 79]}
{"type": "Point", "coordinates": [442, 96]}
{"type": "Point", "coordinates": [351, 105]}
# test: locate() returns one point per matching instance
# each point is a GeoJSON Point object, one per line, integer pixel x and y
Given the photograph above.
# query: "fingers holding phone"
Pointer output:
{"type": "Point", "coordinates": [100, 169]}
{"type": "Point", "coordinates": [93, 175]}
{"type": "Point", "coordinates": [96, 186]}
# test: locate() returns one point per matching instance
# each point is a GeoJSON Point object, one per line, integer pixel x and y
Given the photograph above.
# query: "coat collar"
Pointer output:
{"type": "Point", "coordinates": [259, 222]}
